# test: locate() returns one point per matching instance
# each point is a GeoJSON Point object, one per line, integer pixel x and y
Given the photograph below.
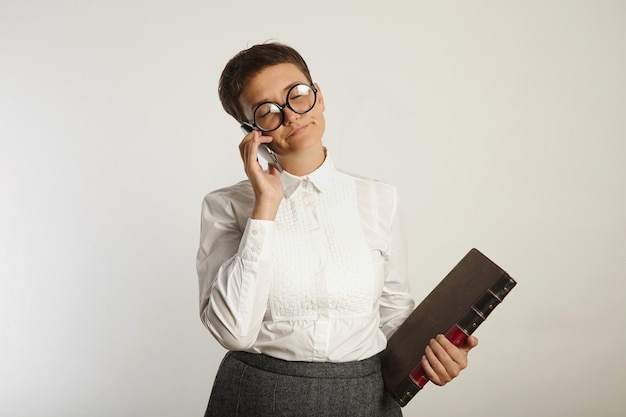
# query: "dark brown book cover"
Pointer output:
{"type": "Point", "coordinates": [455, 307]}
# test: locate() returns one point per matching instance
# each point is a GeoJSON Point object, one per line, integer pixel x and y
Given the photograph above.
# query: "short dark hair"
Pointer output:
{"type": "Point", "coordinates": [248, 63]}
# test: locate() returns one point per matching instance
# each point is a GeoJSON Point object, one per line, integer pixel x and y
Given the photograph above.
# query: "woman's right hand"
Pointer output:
{"type": "Point", "coordinates": [268, 189]}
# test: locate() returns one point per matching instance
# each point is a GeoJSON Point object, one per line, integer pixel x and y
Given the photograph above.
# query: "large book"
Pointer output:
{"type": "Point", "coordinates": [455, 308]}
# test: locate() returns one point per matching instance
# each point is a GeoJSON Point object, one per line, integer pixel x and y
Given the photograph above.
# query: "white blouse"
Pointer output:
{"type": "Point", "coordinates": [325, 281]}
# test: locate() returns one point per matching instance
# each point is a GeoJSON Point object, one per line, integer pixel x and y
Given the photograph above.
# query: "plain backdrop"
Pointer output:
{"type": "Point", "coordinates": [502, 123]}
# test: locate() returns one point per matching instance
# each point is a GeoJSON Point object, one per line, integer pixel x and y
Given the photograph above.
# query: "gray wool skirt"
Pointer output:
{"type": "Point", "coordinates": [250, 385]}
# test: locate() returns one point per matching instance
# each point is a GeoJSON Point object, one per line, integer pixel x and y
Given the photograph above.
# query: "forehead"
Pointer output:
{"type": "Point", "coordinates": [270, 84]}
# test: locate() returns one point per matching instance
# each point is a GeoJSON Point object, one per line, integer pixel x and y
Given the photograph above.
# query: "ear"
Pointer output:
{"type": "Point", "coordinates": [320, 96]}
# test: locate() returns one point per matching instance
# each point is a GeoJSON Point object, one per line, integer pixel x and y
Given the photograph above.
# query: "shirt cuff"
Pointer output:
{"type": "Point", "coordinates": [256, 242]}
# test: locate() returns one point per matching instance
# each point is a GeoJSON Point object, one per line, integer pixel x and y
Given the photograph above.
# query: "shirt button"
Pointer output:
{"type": "Point", "coordinates": [255, 232]}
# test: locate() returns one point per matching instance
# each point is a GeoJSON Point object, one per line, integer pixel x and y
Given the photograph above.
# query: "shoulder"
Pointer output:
{"type": "Point", "coordinates": [236, 199]}
{"type": "Point", "coordinates": [377, 200]}
{"type": "Point", "coordinates": [372, 187]}
{"type": "Point", "coordinates": [240, 191]}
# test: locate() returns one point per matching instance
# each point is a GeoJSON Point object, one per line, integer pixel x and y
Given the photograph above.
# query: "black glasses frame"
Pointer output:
{"type": "Point", "coordinates": [249, 127]}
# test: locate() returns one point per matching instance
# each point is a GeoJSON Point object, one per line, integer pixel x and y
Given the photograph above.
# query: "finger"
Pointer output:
{"type": "Point", "coordinates": [249, 148]}
{"type": "Point", "coordinates": [443, 347]}
{"type": "Point", "coordinates": [435, 368]}
{"type": "Point", "coordinates": [251, 142]}
{"type": "Point", "coordinates": [265, 139]}
{"type": "Point", "coordinates": [245, 143]}
{"type": "Point", "coordinates": [453, 359]}
{"type": "Point", "coordinates": [429, 371]}
{"type": "Point", "coordinates": [470, 343]}
{"type": "Point", "coordinates": [457, 355]}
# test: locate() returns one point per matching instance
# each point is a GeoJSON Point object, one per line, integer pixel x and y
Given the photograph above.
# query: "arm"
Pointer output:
{"type": "Point", "coordinates": [234, 263]}
{"type": "Point", "coordinates": [233, 270]}
{"type": "Point", "coordinates": [396, 302]}
{"type": "Point", "coordinates": [442, 361]}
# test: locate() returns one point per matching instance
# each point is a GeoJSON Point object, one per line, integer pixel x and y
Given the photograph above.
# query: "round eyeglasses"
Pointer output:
{"type": "Point", "coordinates": [269, 116]}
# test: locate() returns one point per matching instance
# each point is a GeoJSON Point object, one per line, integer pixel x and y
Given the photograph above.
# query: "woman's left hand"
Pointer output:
{"type": "Point", "coordinates": [443, 361]}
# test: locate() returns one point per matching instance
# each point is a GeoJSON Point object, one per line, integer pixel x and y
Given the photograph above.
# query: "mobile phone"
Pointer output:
{"type": "Point", "coordinates": [264, 151]}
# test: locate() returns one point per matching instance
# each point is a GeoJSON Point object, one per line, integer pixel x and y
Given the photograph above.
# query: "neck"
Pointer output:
{"type": "Point", "coordinates": [304, 163]}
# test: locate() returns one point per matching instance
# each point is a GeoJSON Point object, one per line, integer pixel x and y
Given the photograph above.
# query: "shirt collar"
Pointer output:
{"type": "Point", "coordinates": [321, 178]}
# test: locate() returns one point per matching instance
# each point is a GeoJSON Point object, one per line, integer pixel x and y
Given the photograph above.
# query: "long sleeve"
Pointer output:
{"type": "Point", "coordinates": [325, 281]}
{"type": "Point", "coordinates": [378, 203]}
{"type": "Point", "coordinates": [396, 302]}
{"type": "Point", "coordinates": [234, 268]}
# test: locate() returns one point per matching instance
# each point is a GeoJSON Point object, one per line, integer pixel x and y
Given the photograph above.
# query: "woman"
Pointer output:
{"type": "Point", "coordinates": [301, 267]}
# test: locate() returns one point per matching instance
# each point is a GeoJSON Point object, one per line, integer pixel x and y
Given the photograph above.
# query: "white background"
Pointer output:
{"type": "Point", "coordinates": [503, 124]}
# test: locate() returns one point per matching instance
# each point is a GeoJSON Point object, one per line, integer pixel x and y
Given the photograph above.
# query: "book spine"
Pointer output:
{"type": "Point", "coordinates": [457, 334]}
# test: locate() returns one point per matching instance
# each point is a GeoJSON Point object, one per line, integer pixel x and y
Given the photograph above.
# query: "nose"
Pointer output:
{"type": "Point", "coordinates": [290, 115]}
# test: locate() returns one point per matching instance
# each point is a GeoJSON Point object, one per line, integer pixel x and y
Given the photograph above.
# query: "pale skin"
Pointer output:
{"type": "Point", "coordinates": [298, 144]}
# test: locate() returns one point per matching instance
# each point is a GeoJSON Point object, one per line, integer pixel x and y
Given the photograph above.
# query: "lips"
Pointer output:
{"type": "Point", "coordinates": [296, 131]}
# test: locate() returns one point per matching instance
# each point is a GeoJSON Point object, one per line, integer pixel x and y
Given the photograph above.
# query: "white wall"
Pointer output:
{"type": "Point", "coordinates": [502, 123]}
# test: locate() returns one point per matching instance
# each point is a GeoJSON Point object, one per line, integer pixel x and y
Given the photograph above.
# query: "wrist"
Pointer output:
{"type": "Point", "coordinates": [265, 210]}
